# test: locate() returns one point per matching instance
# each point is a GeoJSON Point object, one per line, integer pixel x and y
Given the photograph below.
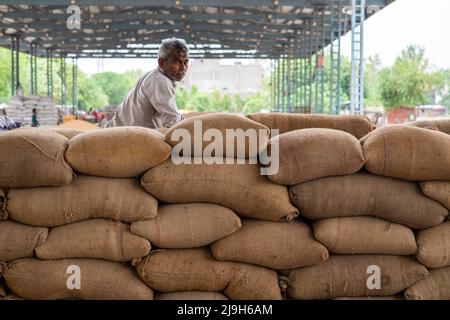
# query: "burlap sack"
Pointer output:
{"type": "Point", "coordinates": [434, 246]}
{"type": "Point", "coordinates": [18, 240]}
{"type": "Point", "coordinates": [434, 287]}
{"type": "Point", "coordinates": [442, 125]}
{"type": "Point", "coordinates": [197, 270]}
{"type": "Point", "coordinates": [276, 245]}
{"type": "Point", "coordinates": [3, 212]}
{"type": "Point", "coordinates": [348, 276]}
{"type": "Point", "coordinates": [99, 280]}
{"type": "Point", "coordinates": [188, 225]}
{"type": "Point", "coordinates": [315, 153]}
{"type": "Point", "coordinates": [33, 158]}
{"type": "Point", "coordinates": [365, 235]}
{"type": "Point", "coordinates": [94, 238]}
{"type": "Point", "coordinates": [239, 187]}
{"type": "Point", "coordinates": [121, 152]}
{"type": "Point", "coordinates": [357, 126]}
{"type": "Point", "coordinates": [190, 115]}
{"type": "Point", "coordinates": [408, 153]}
{"type": "Point", "coordinates": [364, 194]}
{"type": "Point", "coordinates": [69, 133]}
{"type": "Point", "coordinates": [86, 197]}
{"type": "Point", "coordinates": [437, 190]}
{"type": "Point", "coordinates": [191, 295]}
{"type": "Point", "coordinates": [221, 123]}
{"type": "Point", "coordinates": [396, 297]}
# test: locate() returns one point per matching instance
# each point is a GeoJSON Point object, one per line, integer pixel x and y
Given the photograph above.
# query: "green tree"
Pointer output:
{"type": "Point", "coordinates": [90, 95]}
{"type": "Point", "coordinates": [407, 83]}
{"type": "Point", "coordinates": [114, 85]}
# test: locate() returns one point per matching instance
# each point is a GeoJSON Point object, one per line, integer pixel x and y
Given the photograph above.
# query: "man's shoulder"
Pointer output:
{"type": "Point", "coordinates": [156, 77]}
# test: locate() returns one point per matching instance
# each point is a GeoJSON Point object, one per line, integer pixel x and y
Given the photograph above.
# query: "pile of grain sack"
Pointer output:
{"type": "Point", "coordinates": [106, 214]}
{"type": "Point", "coordinates": [20, 108]}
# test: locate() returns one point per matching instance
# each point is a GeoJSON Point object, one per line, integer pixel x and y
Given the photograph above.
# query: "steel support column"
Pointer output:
{"type": "Point", "coordinates": [335, 59]}
{"type": "Point", "coordinates": [357, 72]}
{"type": "Point", "coordinates": [33, 68]}
{"type": "Point", "coordinates": [49, 73]}
{"type": "Point", "coordinates": [15, 81]}
{"type": "Point", "coordinates": [74, 85]}
{"type": "Point", "coordinates": [63, 83]}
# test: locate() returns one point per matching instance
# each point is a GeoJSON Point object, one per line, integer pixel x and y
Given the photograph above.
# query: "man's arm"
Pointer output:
{"type": "Point", "coordinates": [164, 102]}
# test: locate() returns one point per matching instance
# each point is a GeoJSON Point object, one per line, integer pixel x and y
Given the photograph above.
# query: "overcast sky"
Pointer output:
{"type": "Point", "coordinates": [387, 33]}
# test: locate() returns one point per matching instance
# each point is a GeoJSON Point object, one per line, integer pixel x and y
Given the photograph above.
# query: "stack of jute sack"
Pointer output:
{"type": "Point", "coordinates": [368, 209]}
{"type": "Point", "coordinates": [20, 108]}
{"type": "Point", "coordinates": [69, 237]}
{"type": "Point", "coordinates": [347, 206]}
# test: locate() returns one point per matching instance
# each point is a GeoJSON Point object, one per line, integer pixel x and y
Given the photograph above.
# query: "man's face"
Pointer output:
{"type": "Point", "coordinates": [175, 66]}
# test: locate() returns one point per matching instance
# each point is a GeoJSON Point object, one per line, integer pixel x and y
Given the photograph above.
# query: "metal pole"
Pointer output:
{"type": "Point", "coordinates": [310, 68]}
{"type": "Point", "coordinates": [63, 83]}
{"type": "Point", "coordinates": [278, 84]}
{"type": "Point", "coordinates": [289, 79]}
{"type": "Point", "coordinates": [15, 81]}
{"type": "Point", "coordinates": [74, 85]}
{"type": "Point", "coordinates": [33, 69]}
{"type": "Point", "coordinates": [357, 74]}
{"type": "Point", "coordinates": [49, 73]}
{"type": "Point", "coordinates": [322, 89]}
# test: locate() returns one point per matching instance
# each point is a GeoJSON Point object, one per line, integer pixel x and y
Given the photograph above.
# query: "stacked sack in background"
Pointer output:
{"type": "Point", "coordinates": [368, 218]}
{"type": "Point", "coordinates": [20, 108]}
{"type": "Point", "coordinates": [140, 225]}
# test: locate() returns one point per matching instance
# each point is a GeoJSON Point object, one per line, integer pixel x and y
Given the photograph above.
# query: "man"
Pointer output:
{"type": "Point", "coordinates": [151, 103]}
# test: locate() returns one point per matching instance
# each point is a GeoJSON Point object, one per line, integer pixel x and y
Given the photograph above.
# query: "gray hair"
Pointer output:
{"type": "Point", "coordinates": [172, 45]}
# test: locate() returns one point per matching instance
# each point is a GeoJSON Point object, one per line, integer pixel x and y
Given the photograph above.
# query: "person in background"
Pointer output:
{"type": "Point", "coordinates": [34, 119]}
{"type": "Point", "coordinates": [151, 103]}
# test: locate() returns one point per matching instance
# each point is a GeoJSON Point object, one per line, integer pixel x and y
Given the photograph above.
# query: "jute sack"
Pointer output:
{"type": "Point", "coordinates": [239, 187]}
{"type": "Point", "coordinates": [122, 152]}
{"type": "Point", "coordinates": [315, 153]}
{"type": "Point", "coordinates": [347, 276]}
{"type": "Point", "coordinates": [187, 225]}
{"type": "Point", "coordinates": [69, 133]}
{"type": "Point", "coordinates": [437, 190]}
{"type": "Point", "coordinates": [191, 295]}
{"type": "Point", "coordinates": [276, 245]}
{"type": "Point", "coordinates": [86, 197]}
{"type": "Point", "coordinates": [94, 238]}
{"type": "Point", "coordinates": [396, 297]}
{"type": "Point", "coordinates": [442, 125]}
{"type": "Point", "coordinates": [434, 246]}
{"type": "Point", "coordinates": [18, 240]}
{"type": "Point", "coordinates": [197, 270]}
{"type": "Point", "coordinates": [99, 280]}
{"type": "Point", "coordinates": [434, 287]}
{"type": "Point", "coordinates": [3, 212]}
{"type": "Point", "coordinates": [364, 194]}
{"type": "Point", "coordinates": [239, 126]}
{"type": "Point", "coordinates": [364, 235]}
{"type": "Point", "coordinates": [408, 153]}
{"type": "Point", "coordinates": [190, 115]}
{"type": "Point", "coordinates": [33, 158]}
{"type": "Point", "coordinates": [356, 125]}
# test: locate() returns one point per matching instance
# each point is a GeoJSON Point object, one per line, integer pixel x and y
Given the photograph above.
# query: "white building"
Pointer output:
{"type": "Point", "coordinates": [213, 74]}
